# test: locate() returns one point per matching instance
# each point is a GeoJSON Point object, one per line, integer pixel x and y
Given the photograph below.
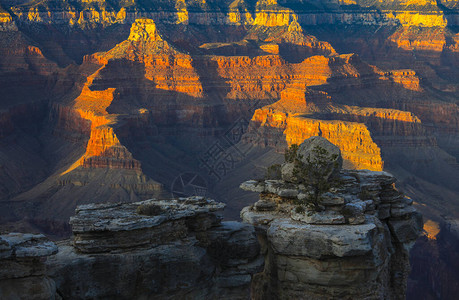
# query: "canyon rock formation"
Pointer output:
{"type": "Point", "coordinates": [109, 101]}
{"type": "Point", "coordinates": [356, 245]}
{"type": "Point", "coordinates": [158, 249]}
{"type": "Point", "coordinates": [23, 274]}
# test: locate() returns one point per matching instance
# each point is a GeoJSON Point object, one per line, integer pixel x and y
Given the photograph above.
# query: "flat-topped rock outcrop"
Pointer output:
{"type": "Point", "coordinates": [149, 223]}
{"type": "Point", "coordinates": [112, 101]}
{"type": "Point", "coordinates": [156, 249]}
{"type": "Point", "coordinates": [23, 271]}
{"type": "Point", "coordinates": [342, 236]}
{"type": "Point", "coordinates": [335, 234]}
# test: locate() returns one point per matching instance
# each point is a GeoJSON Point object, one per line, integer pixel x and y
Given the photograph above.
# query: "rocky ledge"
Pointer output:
{"type": "Point", "coordinates": [156, 249]}
{"type": "Point", "coordinates": [317, 232]}
{"type": "Point", "coordinates": [331, 233]}
{"type": "Point", "coordinates": [22, 271]}
{"type": "Point", "coordinates": [146, 223]}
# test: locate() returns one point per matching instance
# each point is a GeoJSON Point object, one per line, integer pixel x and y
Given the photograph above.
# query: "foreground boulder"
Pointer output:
{"type": "Point", "coordinates": [156, 249]}
{"type": "Point", "coordinates": [22, 268]}
{"type": "Point", "coordinates": [352, 243]}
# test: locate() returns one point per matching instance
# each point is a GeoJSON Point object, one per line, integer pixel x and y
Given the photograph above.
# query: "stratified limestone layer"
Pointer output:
{"type": "Point", "coordinates": [154, 221]}
{"type": "Point", "coordinates": [156, 249]}
{"type": "Point", "coordinates": [166, 69]}
{"type": "Point", "coordinates": [165, 66]}
{"type": "Point", "coordinates": [357, 247]}
{"type": "Point", "coordinates": [354, 139]}
{"type": "Point", "coordinates": [425, 39]}
{"type": "Point", "coordinates": [266, 13]}
{"type": "Point", "coordinates": [359, 132]}
{"type": "Point", "coordinates": [260, 77]}
{"type": "Point", "coordinates": [23, 272]}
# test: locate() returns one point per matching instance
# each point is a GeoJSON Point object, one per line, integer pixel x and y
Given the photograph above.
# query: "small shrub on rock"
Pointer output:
{"type": "Point", "coordinates": [273, 172]}
{"type": "Point", "coordinates": [315, 172]}
{"type": "Point", "coordinates": [299, 209]}
{"type": "Point", "coordinates": [290, 154]}
{"type": "Point", "coordinates": [149, 210]}
{"type": "Point", "coordinates": [365, 195]}
{"type": "Point", "coordinates": [315, 164]}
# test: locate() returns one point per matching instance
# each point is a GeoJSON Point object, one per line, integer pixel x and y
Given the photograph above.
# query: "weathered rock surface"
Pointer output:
{"type": "Point", "coordinates": [147, 73]}
{"type": "Point", "coordinates": [161, 249]}
{"type": "Point", "coordinates": [47, 55]}
{"type": "Point", "coordinates": [23, 272]}
{"type": "Point", "coordinates": [167, 221]}
{"type": "Point", "coordinates": [267, 13]}
{"type": "Point", "coordinates": [332, 154]}
{"type": "Point", "coordinates": [355, 246]}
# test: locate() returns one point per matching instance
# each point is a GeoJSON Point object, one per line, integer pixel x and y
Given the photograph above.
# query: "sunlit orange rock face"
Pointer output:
{"type": "Point", "coordinates": [161, 71]}
{"type": "Point", "coordinates": [413, 38]}
{"type": "Point", "coordinates": [265, 77]}
{"type": "Point", "coordinates": [432, 229]}
{"type": "Point", "coordinates": [289, 117]}
{"type": "Point", "coordinates": [91, 105]}
{"type": "Point", "coordinates": [407, 78]}
{"type": "Point", "coordinates": [354, 140]}
{"type": "Point", "coordinates": [104, 149]}
{"type": "Point", "coordinates": [270, 48]}
{"type": "Point", "coordinates": [166, 67]}
{"type": "Point", "coordinates": [382, 121]}
{"type": "Point", "coordinates": [298, 114]}
{"type": "Point", "coordinates": [358, 131]}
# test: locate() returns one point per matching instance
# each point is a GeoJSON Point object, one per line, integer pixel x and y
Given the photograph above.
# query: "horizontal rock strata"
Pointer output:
{"type": "Point", "coordinates": [23, 272]}
{"type": "Point", "coordinates": [268, 13]}
{"type": "Point", "coordinates": [156, 248]}
{"type": "Point", "coordinates": [353, 243]}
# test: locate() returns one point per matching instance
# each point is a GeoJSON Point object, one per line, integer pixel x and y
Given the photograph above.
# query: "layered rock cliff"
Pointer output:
{"type": "Point", "coordinates": [352, 241]}
{"type": "Point", "coordinates": [122, 113]}
{"type": "Point", "coordinates": [167, 79]}
{"type": "Point", "coordinates": [156, 249]}
{"type": "Point", "coordinates": [23, 273]}
{"type": "Point", "coordinates": [358, 131]}
{"type": "Point", "coordinates": [266, 13]}
{"type": "Point", "coordinates": [355, 246]}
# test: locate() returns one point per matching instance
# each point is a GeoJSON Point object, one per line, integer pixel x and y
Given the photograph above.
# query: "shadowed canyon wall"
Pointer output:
{"type": "Point", "coordinates": [113, 101]}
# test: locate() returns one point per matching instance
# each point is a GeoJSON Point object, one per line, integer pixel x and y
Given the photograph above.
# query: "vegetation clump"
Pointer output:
{"type": "Point", "coordinates": [314, 170]}
{"type": "Point", "coordinates": [149, 209]}
{"type": "Point", "coordinates": [291, 153]}
{"type": "Point", "coordinates": [273, 172]}
{"type": "Point", "coordinates": [313, 164]}
{"type": "Point", "coordinates": [365, 195]}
